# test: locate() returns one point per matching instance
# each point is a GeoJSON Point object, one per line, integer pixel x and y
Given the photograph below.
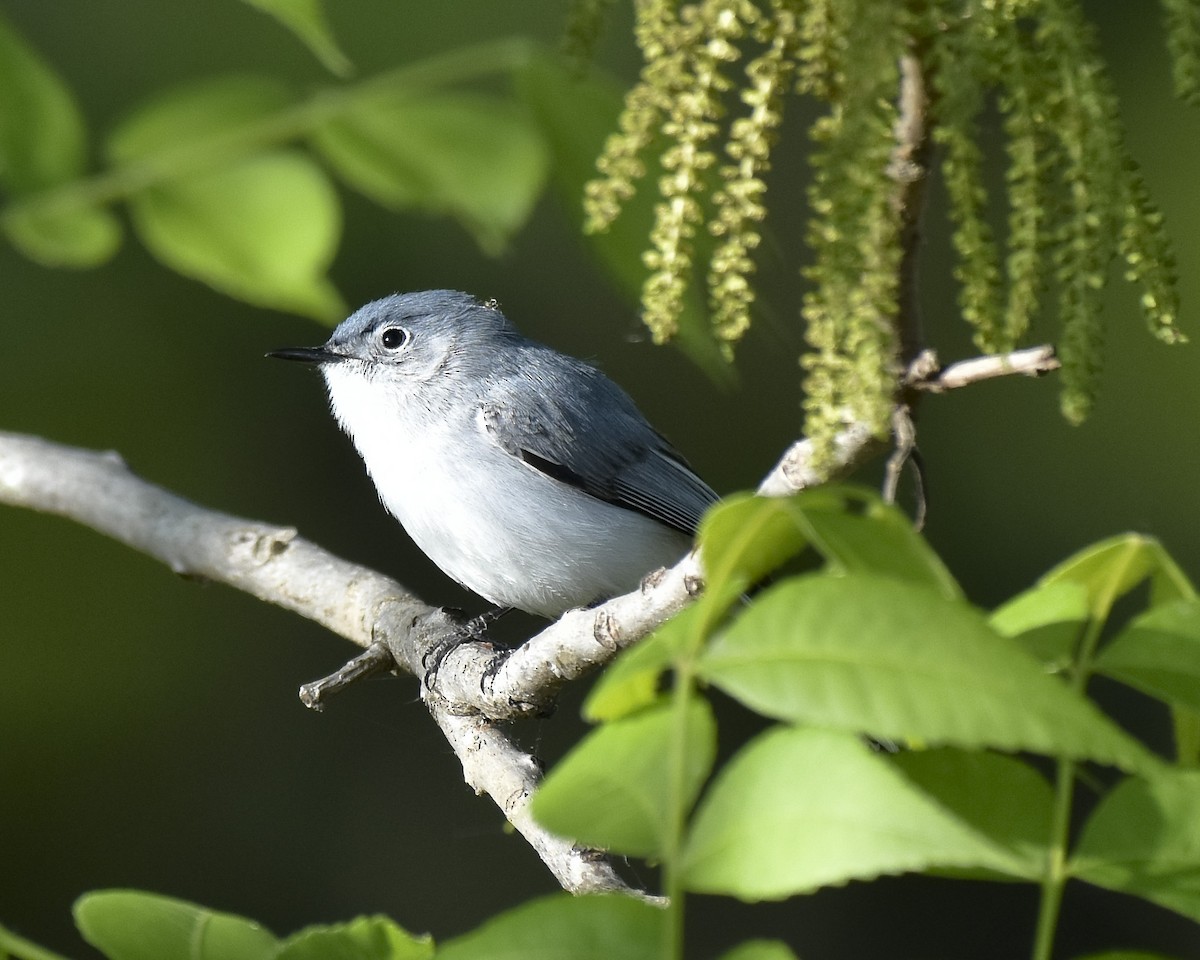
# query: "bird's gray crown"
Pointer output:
{"type": "Point", "coordinates": [443, 315]}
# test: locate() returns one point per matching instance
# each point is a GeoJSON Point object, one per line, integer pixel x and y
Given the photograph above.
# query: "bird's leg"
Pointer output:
{"type": "Point", "coordinates": [472, 631]}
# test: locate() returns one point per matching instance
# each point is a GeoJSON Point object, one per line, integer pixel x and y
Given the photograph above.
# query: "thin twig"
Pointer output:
{"type": "Point", "coordinates": [1031, 362]}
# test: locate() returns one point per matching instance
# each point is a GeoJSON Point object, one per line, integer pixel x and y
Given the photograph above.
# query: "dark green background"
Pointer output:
{"type": "Point", "coordinates": [150, 735]}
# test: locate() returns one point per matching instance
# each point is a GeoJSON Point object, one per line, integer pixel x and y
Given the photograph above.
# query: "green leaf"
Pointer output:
{"type": "Point", "coordinates": [1159, 654]}
{"type": "Point", "coordinates": [562, 927]}
{"type": "Point", "coordinates": [742, 539]}
{"type": "Point", "coordinates": [614, 789]}
{"type": "Point", "coordinates": [1046, 620]}
{"type": "Point", "coordinates": [1111, 568]}
{"type": "Point", "coordinates": [1187, 737]}
{"type": "Point", "coordinates": [42, 137]}
{"type": "Point", "coordinates": [364, 938]}
{"type": "Point", "coordinates": [576, 114]}
{"type": "Point", "coordinates": [1001, 798]}
{"type": "Point", "coordinates": [131, 925]}
{"type": "Point", "coordinates": [880, 539]}
{"type": "Point", "coordinates": [631, 681]}
{"type": "Point", "coordinates": [760, 950]}
{"type": "Point", "coordinates": [62, 235]}
{"type": "Point", "coordinates": [306, 19]}
{"type": "Point", "coordinates": [798, 809]}
{"type": "Point", "coordinates": [262, 230]}
{"type": "Point", "coordinates": [211, 116]}
{"type": "Point", "coordinates": [1144, 839]}
{"type": "Point", "coordinates": [899, 661]}
{"type": "Point", "coordinates": [477, 158]}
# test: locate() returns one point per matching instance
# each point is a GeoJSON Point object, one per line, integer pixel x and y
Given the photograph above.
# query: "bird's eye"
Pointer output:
{"type": "Point", "coordinates": [393, 338]}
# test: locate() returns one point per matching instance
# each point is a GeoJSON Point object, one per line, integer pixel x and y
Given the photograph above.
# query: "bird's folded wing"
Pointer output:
{"type": "Point", "coordinates": [616, 457]}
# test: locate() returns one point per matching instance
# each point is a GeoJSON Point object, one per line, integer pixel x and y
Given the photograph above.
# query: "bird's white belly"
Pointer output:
{"type": "Point", "coordinates": [504, 529]}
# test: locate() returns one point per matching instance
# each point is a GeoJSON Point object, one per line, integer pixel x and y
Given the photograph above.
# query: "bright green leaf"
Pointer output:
{"type": "Point", "coordinates": [744, 538]}
{"type": "Point", "coordinates": [364, 938]}
{"type": "Point", "coordinates": [1111, 568]}
{"type": "Point", "coordinates": [1046, 620]}
{"type": "Point", "coordinates": [306, 19]}
{"type": "Point", "coordinates": [263, 231]}
{"type": "Point", "coordinates": [1144, 839]}
{"type": "Point", "coordinates": [563, 927]}
{"type": "Point", "coordinates": [899, 661]}
{"type": "Point", "coordinates": [799, 809]}
{"type": "Point", "coordinates": [210, 115]}
{"type": "Point", "coordinates": [131, 925]}
{"type": "Point", "coordinates": [614, 789]}
{"type": "Point", "coordinates": [62, 236]}
{"type": "Point", "coordinates": [1187, 736]}
{"type": "Point", "coordinates": [576, 114]}
{"type": "Point", "coordinates": [879, 539]}
{"type": "Point", "coordinates": [476, 158]}
{"type": "Point", "coordinates": [1159, 654]}
{"type": "Point", "coordinates": [42, 137]}
{"type": "Point", "coordinates": [760, 950]}
{"type": "Point", "coordinates": [631, 681]}
{"type": "Point", "coordinates": [1001, 798]}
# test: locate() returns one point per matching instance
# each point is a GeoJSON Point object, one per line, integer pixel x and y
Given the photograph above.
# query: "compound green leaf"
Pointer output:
{"type": "Point", "coordinates": [744, 538]}
{"type": "Point", "coordinates": [57, 235]}
{"type": "Point", "coordinates": [798, 809]}
{"type": "Point", "coordinates": [208, 117]}
{"type": "Point", "coordinates": [1144, 839]}
{"type": "Point", "coordinates": [306, 19]}
{"type": "Point", "coordinates": [760, 950]}
{"type": "Point", "coordinates": [857, 532]}
{"type": "Point", "coordinates": [1111, 568]}
{"type": "Point", "coordinates": [42, 137]}
{"type": "Point", "coordinates": [1159, 654]}
{"type": "Point", "coordinates": [1001, 798]}
{"type": "Point", "coordinates": [364, 938]}
{"type": "Point", "coordinates": [1046, 620]}
{"type": "Point", "coordinates": [614, 789]}
{"type": "Point", "coordinates": [477, 158]}
{"type": "Point", "coordinates": [131, 925]}
{"type": "Point", "coordinates": [631, 681]}
{"type": "Point", "coordinates": [563, 927]}
{"type": "Point", "coordinates": [262, 230]}
{"type": "Point", "coordinates": [901, 661]}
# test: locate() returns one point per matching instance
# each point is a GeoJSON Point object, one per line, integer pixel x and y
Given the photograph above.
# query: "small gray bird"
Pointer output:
{"type": "Point", "coordinates": [526, 475]}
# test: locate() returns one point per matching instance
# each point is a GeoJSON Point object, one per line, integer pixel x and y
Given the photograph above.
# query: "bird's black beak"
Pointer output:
{"type": "Point", "coordinates": [307, 355]}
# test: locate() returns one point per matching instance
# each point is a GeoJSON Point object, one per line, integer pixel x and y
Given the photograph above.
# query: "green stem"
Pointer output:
{"type": "Point", "coordinates": [677, 815]}
{"type": "Point", "coordinates": [12, 945]}
{"type": "Point", "coordinates": [1055, 878]}
{"type": "Point", "coordinates": [457, 66]}
{"type": "Point", "coordinates": [681, 696]}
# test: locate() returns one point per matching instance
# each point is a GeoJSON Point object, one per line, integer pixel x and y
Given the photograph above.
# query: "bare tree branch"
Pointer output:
{"type": "Point", "coordinates": [276, 565]}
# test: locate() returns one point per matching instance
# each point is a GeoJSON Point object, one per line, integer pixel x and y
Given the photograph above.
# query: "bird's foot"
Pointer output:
{"type": "Point", "coordinates": [474, 630]}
